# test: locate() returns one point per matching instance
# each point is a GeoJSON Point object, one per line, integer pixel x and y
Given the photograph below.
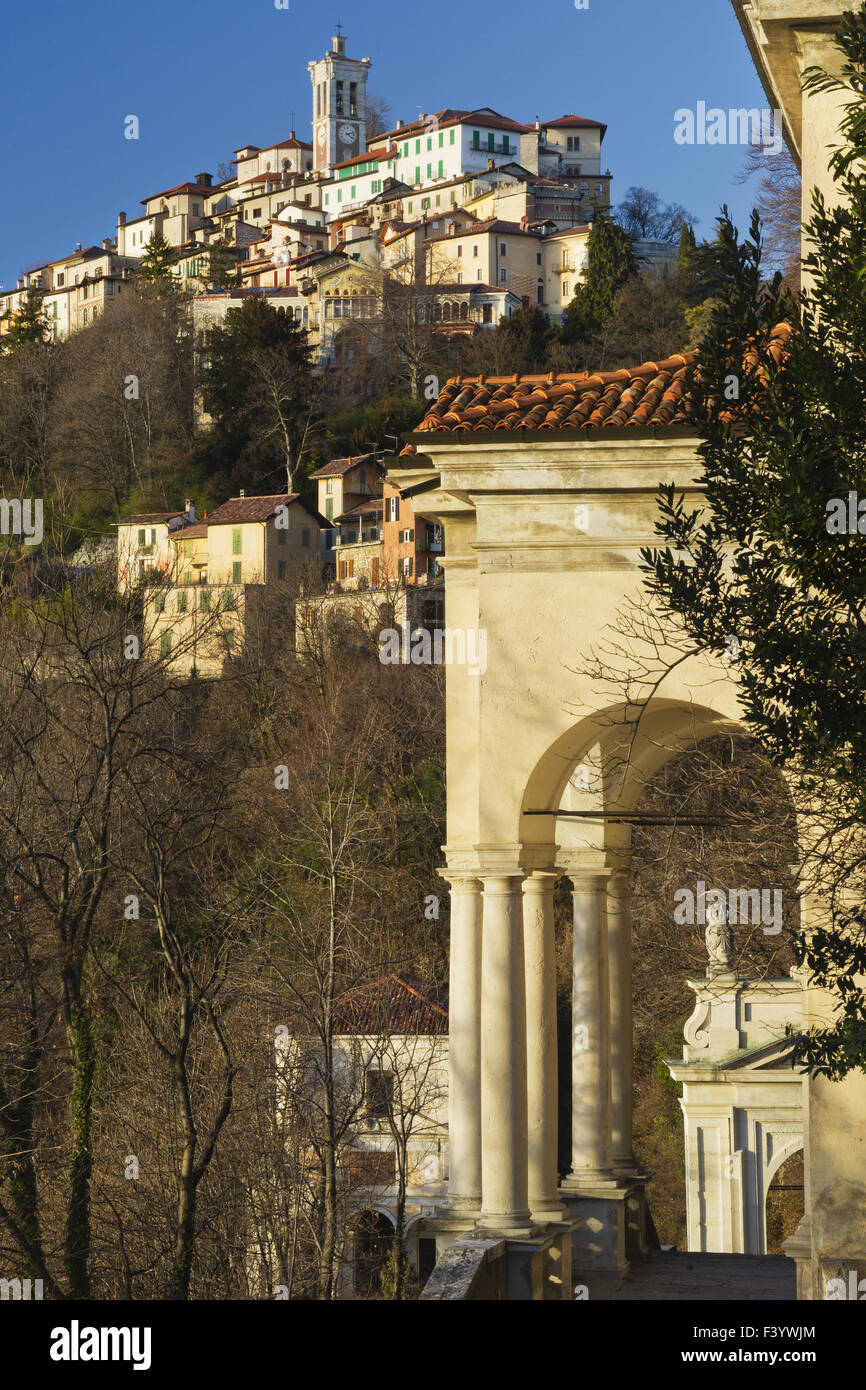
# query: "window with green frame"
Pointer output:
{"type": "Point", "coordinates": [451, 136]}
{"type": "Point", "coordinates": [406, 149]}
{"type": "Point", "coordinates": [491, 140]}
{"type": "Point", "coordinates": [165, 644]}
{"type": "Point", "coordinates": [237, 540]}
{"type": "Point", "coordinates": [417, 174]}
{"type": "Point", "coordinates": [506, 145]}
{"type": "Point", "coordinates": [441, 170]}
{"type": "Point", "coordinates": [441, 138]}
{"type": "Point", "coordinates": [417, 146]}
{"type": "Point", "coordinates": [352, 191]}
{"type": "Point", "coordinates": [429, 142]}
{"type": "Point", "coordinates": [230, 600]}
{"type": "Point", "coordinates": [429, 171]}
{"type": "Point", "coordinates": [236, 572]}
{"type": "Point", "coordinates": [204, 600]}
{"type": "Point", "coordinates": [181, 600]}
{"type": "Point", "coordinates": [476, 139]}
{"type": "Point", "coordinates": [159, 603]}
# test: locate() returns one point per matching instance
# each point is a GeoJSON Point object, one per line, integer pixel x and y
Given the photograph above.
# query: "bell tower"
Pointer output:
{"type": "Point", "coordinates": [339, 105]}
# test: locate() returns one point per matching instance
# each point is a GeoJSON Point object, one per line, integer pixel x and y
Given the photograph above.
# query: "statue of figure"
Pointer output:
{"type": "Point", "coordinates": [719, 939]}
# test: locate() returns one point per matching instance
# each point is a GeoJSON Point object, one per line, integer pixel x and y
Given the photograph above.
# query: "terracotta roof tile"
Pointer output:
{"type": "Point", "coordinates": [649, 395]}
{"type": "Point", "coordinates": [250, 508]}
{"type": "Point", "coordinates": [336, 467]}
{"type": "Point", "coordinates": [395, 1004]}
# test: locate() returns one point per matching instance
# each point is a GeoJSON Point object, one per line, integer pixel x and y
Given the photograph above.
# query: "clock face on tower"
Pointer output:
{"type": "Point", "coordinates": [347, 134]}
{"type": "Point", "coordinates": [321, 135]}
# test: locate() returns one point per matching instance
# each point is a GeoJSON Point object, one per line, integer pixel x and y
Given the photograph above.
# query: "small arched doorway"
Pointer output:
{"type": "Point", "coordinates": [785, 1202]}
{"type": "Point", "coordinates": [373, 1234]}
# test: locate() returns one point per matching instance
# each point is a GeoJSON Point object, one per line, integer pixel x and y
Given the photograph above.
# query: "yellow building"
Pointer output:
{"type": "Point", "coordinates": [496, 253]}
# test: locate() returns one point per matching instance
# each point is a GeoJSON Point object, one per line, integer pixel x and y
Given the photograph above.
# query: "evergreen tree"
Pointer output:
{"type": "Point", "coordinates": [773, 559]}
{"type": "Point", "coordinates": [28, 324]}
{"type": "Point", "coordinates": [259, 387]}
{"type": "Point", "coordinates": [220, 265]}
{"type": "Point", "coordinates": [154, 268]}
{"type": "Point", "coordinates": [610, 264]}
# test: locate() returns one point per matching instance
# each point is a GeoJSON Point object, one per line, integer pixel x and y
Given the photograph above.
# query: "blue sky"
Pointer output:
{"type": "Point", "coordinates": [206, 76]}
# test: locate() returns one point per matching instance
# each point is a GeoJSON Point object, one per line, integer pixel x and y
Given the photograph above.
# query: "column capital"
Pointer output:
{"type": "Point", "coordinates": [460, 880]}
{"type": "Point", "coordinates": [539, 881]}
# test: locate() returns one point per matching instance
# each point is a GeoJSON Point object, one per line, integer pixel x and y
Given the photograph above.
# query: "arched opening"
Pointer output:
{"type": "Point", "coordinates": [689, 806]}
{"type": "Point", "coordinates": [373, 1234]}
{"type": "Point", "coordinates": [715, 817]}
{"type": "Point", "coordinates": [785, 1202]}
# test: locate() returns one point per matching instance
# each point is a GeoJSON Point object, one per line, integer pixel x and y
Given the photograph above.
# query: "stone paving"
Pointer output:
{"type": "Point", "coordinates": [678, 1275]}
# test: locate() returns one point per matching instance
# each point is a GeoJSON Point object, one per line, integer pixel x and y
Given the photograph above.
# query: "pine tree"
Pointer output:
{"type": "Point", "coordinates": [610, 264]}
{"type": "Point", "coordinates": [28, 324]}
{"type": "Point", "coordinates": [220, 266]}
{"type": "Point", "coordinates": [773, 558]}
{"type": "Point", "coordinates": [154, 268]}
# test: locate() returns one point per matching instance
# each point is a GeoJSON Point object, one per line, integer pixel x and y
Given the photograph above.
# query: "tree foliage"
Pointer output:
{"type": "Point", "coordinates": [762, 559]}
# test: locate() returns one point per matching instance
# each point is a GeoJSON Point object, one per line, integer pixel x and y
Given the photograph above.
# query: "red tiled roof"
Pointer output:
{"type": "Point", "coordinates": [337, 467]}
{"type": "Point", "coordinates": [395, 1004]}
{"type": "Point", "coordinates": [647, 395]}
{"type": "Point", "coordinates": [139, 518]}
{"type": "Point", "coordinates": [651, 394]}
{"type": "Point", "coordinates": [251, 508]}
{"type": "Point", "coordinates": [188, 533]}
{"type": "Point", "coordinates": [571, 122]}
{"type": "Point", "coordinates": [203, 188]}
{"type": "Point", "coordinates": [367, 155]}
{"type": "Point", "coordinates": [372, 506]}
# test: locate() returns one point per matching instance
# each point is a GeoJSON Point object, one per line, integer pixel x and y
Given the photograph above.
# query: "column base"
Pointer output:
{"type": "Point", "coordinates": [591, 1180]}
{"type": "Point", "coordinates": [548, 1209]}
{"type": "Point", "coordinates": [509, 1225]}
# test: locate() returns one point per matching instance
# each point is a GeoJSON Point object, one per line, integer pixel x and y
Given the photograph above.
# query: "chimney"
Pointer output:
{"type": "Point", "coordinates": [121, 219]}
{"type": "Point", "coordinates": [190, 508]}
{"type": "Point", "coordinates": [106, 243]}
{"type": "Point", "coordinates": [399, 125]}
{"type": "Point", "coordinates": [490, 164]}
{"type": "Point", "coordinates": [204, 180]}
{"type": "Point", "coordinates": [243, 492]}
{"type": "Point", "coordinates": [422, 115]}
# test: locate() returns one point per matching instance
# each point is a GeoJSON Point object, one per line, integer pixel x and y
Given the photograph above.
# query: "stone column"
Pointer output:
{"type": "Point", "coordinates": [590, 1087]}
{"type": "Point", "coordinates": [504, 1187]}
{"type": "Point", "coordinates": [541, 1061]}
{"type": "Point", "coordinates": [621, 1023]}
{"type": "Point", "coordinates": [464, 1045]}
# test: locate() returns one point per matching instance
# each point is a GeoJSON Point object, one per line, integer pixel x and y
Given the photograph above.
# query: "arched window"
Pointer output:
{"type": "Point", "coordinates": [464, 310]}
{"type": "Point", "coordinates": [446, 312]}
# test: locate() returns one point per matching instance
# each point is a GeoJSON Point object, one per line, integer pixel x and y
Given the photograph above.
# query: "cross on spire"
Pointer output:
{"type": "Point", "coordinates": [339, 30]}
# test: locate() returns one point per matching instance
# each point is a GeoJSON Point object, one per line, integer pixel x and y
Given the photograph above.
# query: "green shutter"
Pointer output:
{"type": "Point", "coordinates": [441, 169]}
{"type": "Point", "coordinates": [181, 600]}
{"type": "Point", "coordinates": [204, 600]}
{"type": "Point", "coordinates": [236, 572]}
{"type": "Point", "coordinates": [165, 644]}
{"type": "Point", "coordinates": [451, 136]}
{"type": "Point", "coordinates": [237, 541]}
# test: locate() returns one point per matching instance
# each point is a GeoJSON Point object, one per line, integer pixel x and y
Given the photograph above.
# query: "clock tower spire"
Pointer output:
{"type": "Point", "coordinates": [339, 104]}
